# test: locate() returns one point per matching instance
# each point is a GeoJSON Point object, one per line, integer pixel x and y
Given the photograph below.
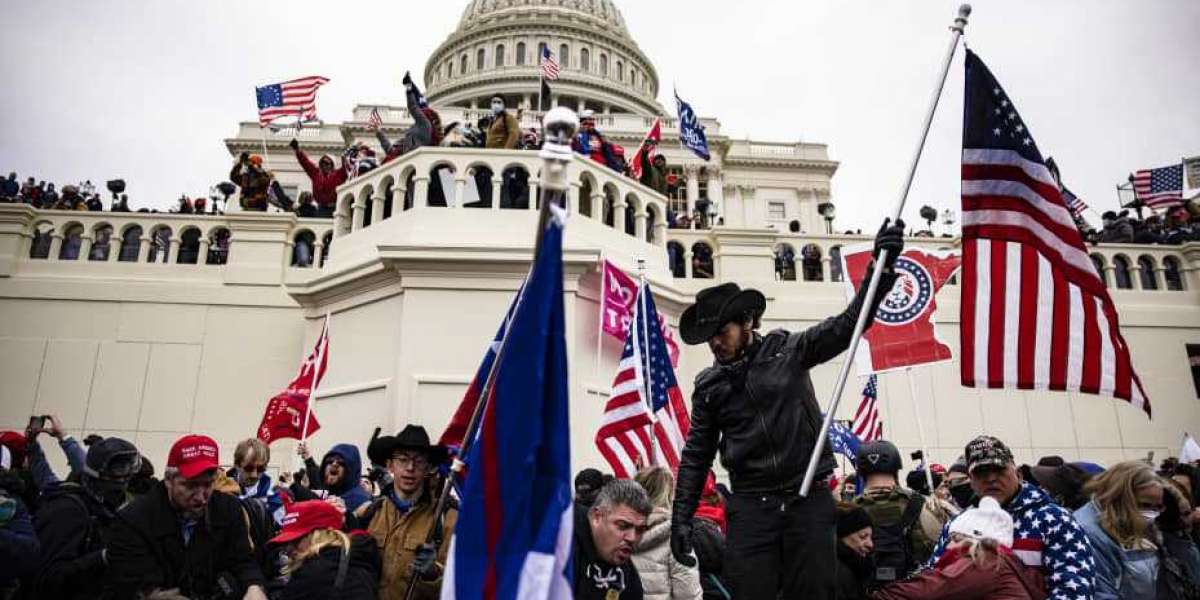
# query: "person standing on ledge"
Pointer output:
{"type": "Point", "coordinates": [756, 403]}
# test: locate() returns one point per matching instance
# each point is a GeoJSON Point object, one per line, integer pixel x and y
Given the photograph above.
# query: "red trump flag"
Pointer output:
{"type": "Point", "coordinates": [285, 412]}
{"type": "Point", "coordinates": [903, 334]}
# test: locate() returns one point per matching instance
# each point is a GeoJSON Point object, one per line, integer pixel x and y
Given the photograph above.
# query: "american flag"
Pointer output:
{"type": "Point", "coordinates": [374, 121]}
{"type": "Point", "coordinates": [1074, 203]}
{"type": "Point", "coordinates": [297, 97]}
{"type": "Point", "coordinates": [1161, 187]}
{"type": "Point", "coordinates": [866, 425]}
{"type": "Point", "coordinates": [549, 64]}
{"type": "Point", "coordinates": [1035, 315]}
{"type": "Point", "coordinates": [624, 435]}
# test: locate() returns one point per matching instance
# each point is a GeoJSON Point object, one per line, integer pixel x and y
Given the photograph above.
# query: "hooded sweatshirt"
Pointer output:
{"type": "Point", "coordinates": [347, 489]}
{"type": "Point", "coordinates": [324, 185]}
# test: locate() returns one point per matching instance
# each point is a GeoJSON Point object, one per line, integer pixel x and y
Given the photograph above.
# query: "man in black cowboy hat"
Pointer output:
{"type": "Point", "coordinates": [756, 403]}
{"type": "Point", "coordinates": [400, 520]}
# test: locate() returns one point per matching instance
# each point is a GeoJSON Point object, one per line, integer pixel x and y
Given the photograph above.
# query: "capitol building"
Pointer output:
{"type": "Point", "coordinates": [168, 323]}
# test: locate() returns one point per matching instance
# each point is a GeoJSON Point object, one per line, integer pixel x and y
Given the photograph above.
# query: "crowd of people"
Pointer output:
{"type": "Point", "coordinates": [1173, 227]}
{"type": "Point", "coordinates": [75, 196]}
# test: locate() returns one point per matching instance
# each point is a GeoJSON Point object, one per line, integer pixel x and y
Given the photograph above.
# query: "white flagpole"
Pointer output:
{"type": "Point", "coordinates": [317, 374]}
{"type": "Point", "coordinates": [600, 333]}
{"type": "Point", "coordinates": [643, 289]}
{"type": "Point", "coordinates": [960, 22]}
{"type": "Point", "coordinates": [912, 391]}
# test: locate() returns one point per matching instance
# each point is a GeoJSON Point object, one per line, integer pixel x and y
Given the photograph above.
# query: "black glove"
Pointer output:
{"type": "Point", "coordinates": [424, 563]}
{"type": "Point", "coordinates": [408, 82]}
{"type": "Point", "coordinates": [681, 544]}
{"type": "Point", "coordinates": [890, 239]}
{"type": "Point", "coordinates": [294, 144]}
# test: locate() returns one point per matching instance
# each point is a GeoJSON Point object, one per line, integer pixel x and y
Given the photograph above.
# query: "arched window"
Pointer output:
{"type": "Point", "coordinates": [326, 242]}
{"type": "Point", "coordinates": [785, 262]}
{"type": "Point", "coordinates": [302, 249]}
{"type": "Point", "coordinates": [1173, 274]}
{"type": "Point", "coordinates": [564, 56]}
{"type": "Point", "coordinates": [1098, 262]}
{"type": "Point", "coordinates": [218, 248]}
{"type": "Point", "coordinates": [1146, 271]}
{"type": "Point", "coordinates": [1121, 273]}
{"type": "Point", "coordinates": [620, 71]}
{"type": "Point", "coordinates": [40, 246]}
{"type": "Point", "coordinates": [160, 244]}
{"type": "Point", "coordinates": [702, 261]}
{"type": "Point", "coordinates": [604, 65]}
{"type": "Point", "coordinates": [520, 53]}
{"type": "Point", "coordinates": [462, 66]}
{"type": "Point", "coordinates": [585, 60]}
{"type": "Point", "coordinates": [500, 55]}
{"type": "Point", "coordinates": [101, 244]}
{"type": "Point", "coordinates": [449, 69]}
{"type": "Point", "coordinates": [630, 219]}
{"type": "Point", "coordinates": [130, 242]}
{"type": "Point", "coordinates": [835, 263]}
{"type": "Point", "coordinates": [675, 259]}
{"type": "Point", "coordinates": [72, 242]}
{"type": "Point", "coordinates": [810, 260]}
{"type": "Point", "coordinates": [189, 247]}
{"type": "Point", "coordinates": [652, 218]}
{"type": "Point", "coordinates": [479, 60]}
{"type": "Point", "coordinates": [633, 78]}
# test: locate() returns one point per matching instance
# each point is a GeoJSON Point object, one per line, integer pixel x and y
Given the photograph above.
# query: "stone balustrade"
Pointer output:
{"type": "Point", "coordinates": [471, 179]}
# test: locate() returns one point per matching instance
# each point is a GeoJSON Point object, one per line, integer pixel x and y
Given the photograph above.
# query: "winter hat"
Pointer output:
{"type": "Point", "coordinates": [112, 458]}
{"type": "Point", "coordinates": [851, 518]}
{"type": "Point", "coordinates": [986, 521]}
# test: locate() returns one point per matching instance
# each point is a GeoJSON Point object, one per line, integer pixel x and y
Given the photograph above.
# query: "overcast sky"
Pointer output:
{"type": "Point", "coordinates": [148, 90]}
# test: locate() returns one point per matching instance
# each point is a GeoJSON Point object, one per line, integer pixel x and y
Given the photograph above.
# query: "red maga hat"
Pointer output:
{"type": "Point", "coordinates": [303, 518]}
{"type": "Point", "coordinates": [193, 455]}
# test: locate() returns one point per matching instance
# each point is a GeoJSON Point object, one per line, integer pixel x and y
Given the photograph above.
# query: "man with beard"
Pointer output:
{"type": "Point", "coordinates": [182, 536]}
{"type": "Point", "coordinates": [73, 517]}
{"type": "Point", "coordinates": [606, 535]}
{"type": "Point", "coordinates": [757, 405]}
{"type": "Point", "coordinates": [338, 475]}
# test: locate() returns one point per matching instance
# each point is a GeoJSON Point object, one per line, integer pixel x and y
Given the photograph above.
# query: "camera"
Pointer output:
{"type": "Point", "coordinates": [116, 186]}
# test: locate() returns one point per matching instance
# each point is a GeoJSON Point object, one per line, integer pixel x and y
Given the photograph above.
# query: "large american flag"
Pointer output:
{"type": "Point", "coordinates": [1034, 313]}
{"type": "Point", "coordinates": [295, 98]}
{"type": "Point", "coordinates": [1161, 187]}
{"type": "Point", "coordinates": [549, 64]}
{"type": "Point", "coordinates": [624, 435]}
{"type": "Point", "coordinates": [867, 426]}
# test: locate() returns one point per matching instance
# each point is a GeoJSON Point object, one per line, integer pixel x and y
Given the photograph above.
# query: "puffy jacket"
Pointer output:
{"type": "Point", "coordinates": [1048, 540]}
{"type": "Point", "coordinates": [960, 578]}
{"type": "Point", "coordinates": [324, 185]}
{"type": "Point", "coordinates": [316, 578]}
{"type": "Point", "coordinates": [762, 413]}
{"type": "Point", "coordinates": [1121, 573]}
{"type": "Point", "coordinates": [663, 577]}
{"type": "Point", "coordinates": [146, 548]}
{"type": "Point", "coordinates": [71, 526]}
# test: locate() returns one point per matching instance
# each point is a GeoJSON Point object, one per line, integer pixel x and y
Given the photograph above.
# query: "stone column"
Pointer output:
{"type": "Point", "coordinates": [318, 247]}
{"type": "Point", "coordinates": [716, 190]}
{"type": "Point", "coordinates": [421, 191]}
{"type": "Point", "coordinates": [1160, 277]}
{"type": "Point", "coordinates": [173, 250]}
{"type": "Point", "coordinates": [115, 243]}
{"type": "Point", "coordinates": [687, 263]}
{"type": "Point", "coordinates": [534, 184]}
{"type": "Point", "coordinates": [497, 188]}
{"type": "Point", "coordinates": [581, 105]}
{"type": "Point", "coordinates": [598, 207]}
{"type": "Point", "coordinates": [826, 274]}
{"type": "Point", "coordinates": [202, 258]}
{"type": "Point", "coordinates": [143, 249]}
{"type": "Point", "coordinates": [377, 209]}
{"type": "Point", "coordinates": [56, 240]}
{"type": "Point", "coordinates": [1110, 274]}
{"type": "Point", "coordinates": [358, 210]}
{"type": "Point", "coordinates": [639, 224]}
{"type": "Point", "coordinates": [606, 109]}
{"type": "Point", "coordinates": [693, 187]}
{"type": "Point", "coordinates": [619, 215]}
{"type": "Point", "coordinates": [339, 221]}
{"type": "Point", "coordinates": [660, 233]}
{"type": "Point", "coordinates": [1190, 265]}
{"type": "Point", "coordinates": [85, 247]}
{"type": "Point", "coordinates": [528, 102]}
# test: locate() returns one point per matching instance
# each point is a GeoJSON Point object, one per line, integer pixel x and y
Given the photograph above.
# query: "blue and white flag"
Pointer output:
{"type": "Point", "coordinates": [843, 441]}
{"type": "Point", "coordinates": [691, 132]}
{"type": "Point", "coordinates": [514, 531]}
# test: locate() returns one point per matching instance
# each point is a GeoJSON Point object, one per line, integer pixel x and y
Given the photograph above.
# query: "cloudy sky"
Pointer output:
{"type": "Point", "coordinates": [147, 90]}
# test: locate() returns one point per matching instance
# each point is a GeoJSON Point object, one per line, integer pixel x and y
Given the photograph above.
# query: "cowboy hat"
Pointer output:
{"type": "Point", "coordinates": [413, 437]}
{"type": "Point", "coordinates": [716, 306]}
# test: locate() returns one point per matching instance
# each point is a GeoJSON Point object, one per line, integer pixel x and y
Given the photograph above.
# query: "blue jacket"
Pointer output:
{"type": "Point", "coordinates": [348, 490]}
{"type": "Point", "coordinates": [1120, 574]}
{"type": "Point", "coordinates": [1047, 538]}
{"type": "Point", "coordinates": [19, 547]}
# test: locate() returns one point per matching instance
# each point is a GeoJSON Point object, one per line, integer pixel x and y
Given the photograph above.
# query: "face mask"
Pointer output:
{"type": "Point", "coordinates": [497, 108]}
{"type": "Point", "coordinates": [962, 494]}
{"type": "Point", "coordinates": [1150, 515]}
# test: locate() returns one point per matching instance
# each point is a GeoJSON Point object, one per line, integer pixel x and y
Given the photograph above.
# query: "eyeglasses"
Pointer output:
{"type": "Point", "coordinates": [405, 461]}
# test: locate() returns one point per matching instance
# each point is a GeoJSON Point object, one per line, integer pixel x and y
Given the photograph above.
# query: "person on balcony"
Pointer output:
{"type": "Point", "coordinates": [325, 178]}
{"type": "Point", "coordinates": [254, 181]}
{"type": "Point", "coordinates": [422, 132]}
{"type": "Point", "coordinates": [654, 171]}
{"type": "Point", "coordinates": [504, 132]}
{"type": "Point", "coordinates": [591, 143]}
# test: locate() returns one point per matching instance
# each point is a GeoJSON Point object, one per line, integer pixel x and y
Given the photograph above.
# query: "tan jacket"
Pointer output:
{"type": "Point", "coordinates": [398, 537]}
{"type": "Point", "coordinates": [503, 132]}
{"type": "Point", "coordinates": [663, 577]}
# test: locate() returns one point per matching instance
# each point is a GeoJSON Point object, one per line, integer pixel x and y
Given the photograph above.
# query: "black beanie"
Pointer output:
{"type": "Point", "coordinates": [851, 518]}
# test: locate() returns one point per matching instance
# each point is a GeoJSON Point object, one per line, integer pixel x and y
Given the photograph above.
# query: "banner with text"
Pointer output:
{"type": "Point", "coordinates": [619, 293]}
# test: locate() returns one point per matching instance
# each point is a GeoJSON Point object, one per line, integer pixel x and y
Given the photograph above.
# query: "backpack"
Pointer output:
{"type": "Point", "coordinates": [894, 558]}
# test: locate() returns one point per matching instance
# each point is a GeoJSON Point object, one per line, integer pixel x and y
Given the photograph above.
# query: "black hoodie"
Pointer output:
{"type": "Point", "coordinates": [593, 576]}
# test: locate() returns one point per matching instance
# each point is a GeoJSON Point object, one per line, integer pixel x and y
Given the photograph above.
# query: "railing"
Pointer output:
{"type": "Point", "coordinates": [473, 179]}
{"type": "Point", "coordinates": [797, 150]}
{"type": "Point", "coordinates": [398, 117]}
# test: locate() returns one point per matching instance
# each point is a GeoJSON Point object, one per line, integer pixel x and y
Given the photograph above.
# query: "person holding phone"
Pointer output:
{"type": "Point", "coordinates": [43, 475]}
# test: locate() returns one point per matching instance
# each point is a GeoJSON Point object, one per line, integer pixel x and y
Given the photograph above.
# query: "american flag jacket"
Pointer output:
{"type": "Point", "coordinates": [1046, 537]}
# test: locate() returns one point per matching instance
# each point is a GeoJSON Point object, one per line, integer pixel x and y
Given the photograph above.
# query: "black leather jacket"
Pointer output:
{"type": "Point", "coordinates": [761, 412]}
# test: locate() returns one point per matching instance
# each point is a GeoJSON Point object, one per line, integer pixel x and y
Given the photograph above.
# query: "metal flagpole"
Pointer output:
{"type": "Point", "coordinates": [600, 333]}
{"type": "Point", "coordinates": [648, 386]}
{"type": "Point", "coordinates": [322, 343]}
{"type": "Point", "coordinates": [960, 22]}
{"type": "Point", "coordinates": [912, 390]}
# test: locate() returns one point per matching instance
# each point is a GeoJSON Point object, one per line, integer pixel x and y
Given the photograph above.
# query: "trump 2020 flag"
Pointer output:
{"type": "Point", "coordinates": [904, 333]}
{"type": "Point", "coordinates": [619, 293]}
{"type": "Point", "coordinates": [691, 132]}
{"type": "Point", "coordinates": [285, 412]}
{"type": "Point", "coordinates": [514, 531]}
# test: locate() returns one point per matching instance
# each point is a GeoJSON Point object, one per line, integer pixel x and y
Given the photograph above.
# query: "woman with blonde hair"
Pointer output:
{"type": "Point", "coordinates": [1119, 522]}
{"type": "Point", "coordinates": [322, 561]}
{"type": "Point", "coordinates": [663, 577]}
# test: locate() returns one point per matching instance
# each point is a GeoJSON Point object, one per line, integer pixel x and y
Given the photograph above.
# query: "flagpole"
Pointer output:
{"type": "Point", "coordinates": [322, 343]}
{"type": "Point", "coordinates": [960, 22]}
{"type": "Point", "coordinates": [912, 390]}
{"type": "Point", "coordinates": [600, 304]}
{"type": "Point", "coordinates": [648, 385]}
{"type": "Point", "coordinates": [557, 154]}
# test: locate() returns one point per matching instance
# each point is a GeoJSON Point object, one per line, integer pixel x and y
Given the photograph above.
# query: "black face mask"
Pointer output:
{"type": "Point", "coordinates": [109, 492]}
{"type": "Point", "coordinates": [962, 494]}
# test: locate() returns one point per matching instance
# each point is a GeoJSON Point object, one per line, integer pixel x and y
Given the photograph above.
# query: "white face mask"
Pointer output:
{"type": "Point", "coordinates": [497, 108]}
{"type": "Point", "coordinates": [1150, 515]}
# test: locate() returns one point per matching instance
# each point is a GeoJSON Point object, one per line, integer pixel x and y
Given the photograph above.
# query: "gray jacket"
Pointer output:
{"type": "Point", "coordinates": [420, 134]}
{"type": "Point", "coordinates": [1121, 574]}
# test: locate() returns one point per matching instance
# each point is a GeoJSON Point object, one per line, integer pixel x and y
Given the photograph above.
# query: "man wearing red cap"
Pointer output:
{"type": "Point", "coordinates": [182, 535]}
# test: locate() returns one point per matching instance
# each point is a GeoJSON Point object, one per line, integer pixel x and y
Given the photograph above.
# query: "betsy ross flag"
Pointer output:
{"type": "Point", "coordinates": [867, 426]}
{"type": "Point", "coordinates": [549, 64]}
{"type": "Point", "coordinates": [374, 120]}
{"type": "Point", "coordinates": [295, 98]}
{"type": "Point", "coordinates": [285, 412]}
{"type": "Point", "coordinates": [515, 523]}
{"type": "Point", "coordinates": [654, 135]}
{"type": "Point", "coordinates": [624, 435]}
{"type": "Point", "coordinates": [1161, 187]}
{"type": "Point", "coordinates": [1034, 313]}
